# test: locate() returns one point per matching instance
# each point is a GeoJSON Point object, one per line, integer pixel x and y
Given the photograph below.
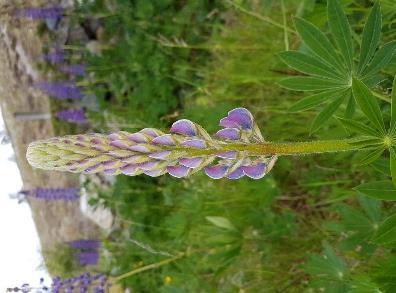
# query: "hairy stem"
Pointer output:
{"type": "Point", "coordinates": [284, 148]}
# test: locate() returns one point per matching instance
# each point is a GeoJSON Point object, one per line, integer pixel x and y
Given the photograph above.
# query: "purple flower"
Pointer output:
{"type": "Point", "coordinates": [86, 244]}
{"type": "Point", "coordinates": [87, 258]}
{"type": "Point", "coordinates": [74, 69]}
{"type": "Point", "coordinates": [54, 57]}
{"type": "Point", "coordinates": [41, 13]}
{"type": "Point", "coordinates": [72, 115]}
{"type": "Point", "coordinates": [85, 282]}
{"type": "Point", "coordinates": [61, 90]}
{"type": "Point", "coordinates": [54, 194]}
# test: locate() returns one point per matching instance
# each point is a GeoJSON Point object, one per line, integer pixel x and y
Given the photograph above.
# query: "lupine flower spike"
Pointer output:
{"type": "Point", "coordinates": [72, 115]}
{"type": "Point", "coordinates": [53, 194]}
{"type": "Point", "coordinates": [187, 149]}
{"type": "Point", "coordinates": [40, 13]}
{"type": "Point", "coordinates": [61, 90]}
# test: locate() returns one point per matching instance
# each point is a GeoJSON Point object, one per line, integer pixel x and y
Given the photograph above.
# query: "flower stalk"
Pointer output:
{"type": "Point", "coordinates": [237, 150]}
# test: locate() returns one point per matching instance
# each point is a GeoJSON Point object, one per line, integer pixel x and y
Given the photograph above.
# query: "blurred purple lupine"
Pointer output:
{"type": "Point", "coordinates": [84, 283]}
{"type": "Point", "coordinates": [87, 258]}
{"type": "Point", "coordinates": [72, 115]}
{"type": "Point", "coordinates": [53, 194]}
{"type": "Point", "coordinates": [61, 90]}
{"type": "Point", "coordinates": [74, 69]}
{"type": "Point", "coordinates": [85, 244]}
{"type": "Point", "coordinates": [40, 13]}
{"type": "Point", "coordinates": [54, 57]}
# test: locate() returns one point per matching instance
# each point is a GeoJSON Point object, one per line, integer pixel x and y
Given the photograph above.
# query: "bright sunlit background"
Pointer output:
{"type": "Point", "coordinates": [20, 258]}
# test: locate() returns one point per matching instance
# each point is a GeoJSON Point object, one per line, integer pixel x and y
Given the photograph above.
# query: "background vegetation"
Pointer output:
{"type": "Point", "coordinates": [302, 228]}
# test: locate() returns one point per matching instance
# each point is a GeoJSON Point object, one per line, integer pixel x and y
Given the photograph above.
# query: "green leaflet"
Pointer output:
{"type": "Point", "coordinates": [384, 190]}
{"type": "Point", "coordinates": [313, 100]}
{"type": "Point", "coordinates": [315, 40]}
{"type": "Point", "coordinates": [221, 222]}
{"type": "Point", "coordinates": [341, 31]}
{"type": "Point", "coordinates": [381, 58]}
{"type": "Point", "coordinates": [304, 83]}
{"type": "Point", "coordinates": [393, 108]}
{"type": "Point", "coordinates": [371, 37]}
{"type": "Point", "coordinates": [368, 104]}
{"type": "Point", "coordinates": [386, 232]}
{"type": "Point", "coordinates": [371, 156]}
{"type": "Point", "coordinates": [326, 114]}
{"type": "Point", "coordinates": [392, 164]}
{"type": "Point", "coordinates": [310, 65]}
{"type": "Point", "coordinates": [358, 127]}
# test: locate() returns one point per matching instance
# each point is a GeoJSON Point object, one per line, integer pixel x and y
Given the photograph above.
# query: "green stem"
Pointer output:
{"type": "Point", "coordinates": [148, 267]}
{"type": "Point", "coordinates": [284, 148]}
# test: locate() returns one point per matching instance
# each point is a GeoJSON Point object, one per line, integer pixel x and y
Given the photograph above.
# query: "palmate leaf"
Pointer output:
{"type": "Point", "coordinates": [331, 67]}
{"type": "Point", "coordinates": [368, 104]}
{"type": "Point", "coordinates": [392, 164]}
{"type": "Point", "coordinates": [392, 125]}
{"type": "Point", "coordinates": [341, 31]}
{"type": "Point", "coordinates": [371, 36]}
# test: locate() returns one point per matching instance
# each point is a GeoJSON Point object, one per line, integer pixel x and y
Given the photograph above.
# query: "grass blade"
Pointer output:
{"type": "Point", "coordinates": [371, 36]}
{"type": "Point", "coordinates": [341, 30]}
{"type": "Point", "coordinates": [368, 104]}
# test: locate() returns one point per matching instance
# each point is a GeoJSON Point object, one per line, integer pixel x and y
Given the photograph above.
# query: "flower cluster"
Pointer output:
{"type": "Point", "coordinates": [41, 13]}
{"type": "Point", "coordinates": [61, 90]}
{"type": "Point", "coordinates": [72, 115]}
{"type": "Point", "coordinates": [187, 149]}
{"type": "Point", "coordinates": [73, 69]}
{"type": "Point", "coordinates": [88, 254]}
{"type": "Point", "coordinates": [53, 194]}
{"type": "Point", "coordinates": [55, 57]}
{"type": "Point", "coordinates": [84, 283]}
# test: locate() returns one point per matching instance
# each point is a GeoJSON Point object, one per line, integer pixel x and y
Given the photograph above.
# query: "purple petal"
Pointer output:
{"type": "Point", "coordinates": [195, 143]}
{"type": "Point", "coordinates": [255, 171]}
{"type": "Point", "coordinates": [155, 173]}
{"type": "Point", "coordinates": [135, 159]}
{"type": "Point", "coordinates": [129, 169]}
{"type": "Point", "coordinates": [93, 169]}
{"type": "Point", "coordinates": [238, 173]}
{"type": "Point", "coordinates": [191, 162]}
{"type": "Point", "coordinates": [177, 171]}
{"type": "Point", "coordinates": [110, 171]}
{"type": "Point", "coordinates": [140, 148]}
{"type": "Point", "coordinates": [151, 132]}
{"type": "Point", "coordinates": [227, 155]}
{"type": "Point", "coordinates": [96, 141]}
{"type": "Point", "coordinates": [119, 144]}
{"type": "Point", "coordinates": [229, 133]}
{"type": "Point", "coordinates": [216, 172]}
{"type": "Point", "coordinates": [138, 137]}
{"type": "Point", "coordinates": [109, 164]}
{"type": "Point", "coordinates": [239, 117]}
{"type": "Point", "coordinates": [165, 139]}
{"type": "Point", "coordinates": [184, 127]}
{"type": "Point", "coordinates": [148, 165]}
{"type": "Point", "coordinates": [160, 155]}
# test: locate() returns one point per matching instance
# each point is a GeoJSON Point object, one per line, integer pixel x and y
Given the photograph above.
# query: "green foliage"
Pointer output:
{"type": "Point", "coordinates": [332, 68]}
